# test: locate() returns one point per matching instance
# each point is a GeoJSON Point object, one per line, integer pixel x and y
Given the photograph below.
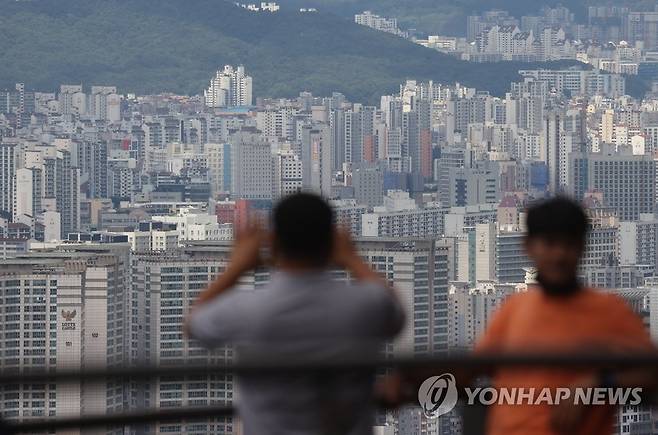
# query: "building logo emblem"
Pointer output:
{"type": "Point", "coordinates": [69, 315]}
{"type": "Point", "coordinates": [437, 395]}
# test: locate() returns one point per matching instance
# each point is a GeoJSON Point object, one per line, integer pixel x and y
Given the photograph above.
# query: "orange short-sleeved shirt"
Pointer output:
{"type": "Point", "coordinates": [532, 321]}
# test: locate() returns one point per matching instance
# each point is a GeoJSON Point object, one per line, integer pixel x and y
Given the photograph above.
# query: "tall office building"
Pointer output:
{"type": "Point", "coordinates": [229, 88]}
{"type": "Point", "coordinates": [470, 186]}
{"type": "Point", "coordinates": [64, 310]}
{"type": "Point", "coordinates": [553, 149]}
{"type": "Point", "coordinates": [563, 134]}
{"type": "Point", "coordinates": [360, 140]}
{"type": "Point", "coordinates": [251, 165]}
{"type": "Point", "coordinates": [397, 160]}
{"type": "Point", "coordinates": [62, 188]}
{"type": "Point", "coordinates": [368, 183]}
{"type": "Point", "coordinates": [451, 157]}
{"type": "Point", "coordinates": [462, 111]}
{"type": "Point", "coordinates": [7, 178]}
{"type": "Point", "coordinates": [28, 193]}
{"type": "Point", "coordinates": [601, 244]}
{"type": "Point", "coordinates": [485, 252]}
{"type": "Point", "coordinates": [511, 258]}
{"type": "Point", "coordinates": [626, 181]}
{"type": "Point", "coordinates": [92, 162]}
{"type": "Point", "coordinates": [638, 241]}
{"type": "Point", "coordinates": [218, 156]}
{"type": "Point", "coordinates": [420, 270]}
{"type": "Point", "coordinates": [316, 158]}
{"type": "Point", "coordinates": [338, 138]}
{"type": "Point", "coordinates": [417, 136]}
{"type": "Point", "coordinates": [288, 174]}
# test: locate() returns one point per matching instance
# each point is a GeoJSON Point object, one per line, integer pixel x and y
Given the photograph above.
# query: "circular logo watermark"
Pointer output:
{"type": "Point", "coordinates": [437, 395]}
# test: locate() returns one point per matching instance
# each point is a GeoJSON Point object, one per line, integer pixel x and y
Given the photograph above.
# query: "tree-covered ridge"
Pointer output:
{"type": "Point", "coordinates": [149, 46]}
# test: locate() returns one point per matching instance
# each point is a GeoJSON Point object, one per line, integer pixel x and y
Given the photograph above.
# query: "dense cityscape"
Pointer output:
{"type": "Point", "coordinates": [118, 209]}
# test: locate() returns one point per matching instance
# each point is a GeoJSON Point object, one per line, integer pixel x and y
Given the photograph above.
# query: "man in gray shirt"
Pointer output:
{"type": "Point", "coordinates": [302, 316]}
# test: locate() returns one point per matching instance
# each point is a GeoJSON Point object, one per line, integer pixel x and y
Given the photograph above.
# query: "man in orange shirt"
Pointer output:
{"type": "Point", "coordinates": [560, 315]}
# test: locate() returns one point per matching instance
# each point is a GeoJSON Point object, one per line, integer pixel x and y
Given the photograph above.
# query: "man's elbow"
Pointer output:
{"type": "Point", "coordinates": [187, 327]}
{"type": "Point", "coordinates": [195, 328]}
{"type": "Point", "coordinates": [207, 334]}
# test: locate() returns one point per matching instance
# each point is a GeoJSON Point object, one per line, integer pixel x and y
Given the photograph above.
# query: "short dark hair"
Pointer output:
{"type": "Point", "coordinates": [303, 228]}
{"type": "Point", "coordinates": [559, 216]}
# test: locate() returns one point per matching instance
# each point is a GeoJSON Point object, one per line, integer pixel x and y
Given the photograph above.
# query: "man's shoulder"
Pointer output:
{"type": "Point", "coordinates": [606, 298]}
{"type": "Point", "coordinates": [520, 301]}
{"type": "Point", "coordinates": [367, 290]}
{"type": "Point", "coordinates": [324, 287]}
{"type": "Point", "coordinates": [522, 297]}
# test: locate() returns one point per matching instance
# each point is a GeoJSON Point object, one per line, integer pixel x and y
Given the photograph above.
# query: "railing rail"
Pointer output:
{"type": "Point", "coordinates": [478, 362]}
{"type": "Point", "coordinates": [459, 362]}
{"type": "Point", "coordinates": [127, 418]}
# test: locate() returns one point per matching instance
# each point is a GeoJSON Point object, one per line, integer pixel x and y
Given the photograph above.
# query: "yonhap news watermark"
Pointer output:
{"type": "Point", "coordinates": [438, 395]}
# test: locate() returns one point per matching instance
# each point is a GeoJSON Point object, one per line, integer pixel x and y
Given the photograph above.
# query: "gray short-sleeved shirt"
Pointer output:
{"type": "Point", "coordinates": [303, 317]}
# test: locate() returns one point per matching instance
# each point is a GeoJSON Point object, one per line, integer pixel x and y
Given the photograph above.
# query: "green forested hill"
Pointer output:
{"type": "Point", "coordinates": [176, 45]}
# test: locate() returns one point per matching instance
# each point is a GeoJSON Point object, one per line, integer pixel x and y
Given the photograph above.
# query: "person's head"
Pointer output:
{"type": "Point", "coordinates": [557, 229]}
{"type": "Point", "coordinates": [303, 231]}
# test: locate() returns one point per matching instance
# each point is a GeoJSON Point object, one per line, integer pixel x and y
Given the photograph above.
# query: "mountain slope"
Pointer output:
{"type": "Point", "coordinates": [176, 45]}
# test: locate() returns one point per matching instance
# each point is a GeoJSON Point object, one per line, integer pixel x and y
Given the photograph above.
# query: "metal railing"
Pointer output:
{"type": "Point", "coordinates": [475, 364]}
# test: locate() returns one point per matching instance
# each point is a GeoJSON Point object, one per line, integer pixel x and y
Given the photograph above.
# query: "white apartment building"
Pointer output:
{"type": "Point", "coordinates": [470, 309]}
{"type": "Point", "coordinates": [388, 25]}
{"type": "Point", "coordinates": [230, 87]}
{"type": "Point", "coordinates": [579, 82]}
{"type": "Point", "coordinates": [348, 214]}
{"type": "Point", "coordinates": [277, 123]}
{"type": "Point", "coordinates": [72, 100]}
{"type": "Point", "coordinates": [104, 103]}
{"type": "Point", "coordinates": [193, 224]}
{"type": "Point", "coordinates": [459, 218]}
{"type": "Point", "coordinates": [638, 241]}
{"type": "Point", "coordinates": [153, 236]}
{"type": "Point", "coordinates": [401, 217]}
